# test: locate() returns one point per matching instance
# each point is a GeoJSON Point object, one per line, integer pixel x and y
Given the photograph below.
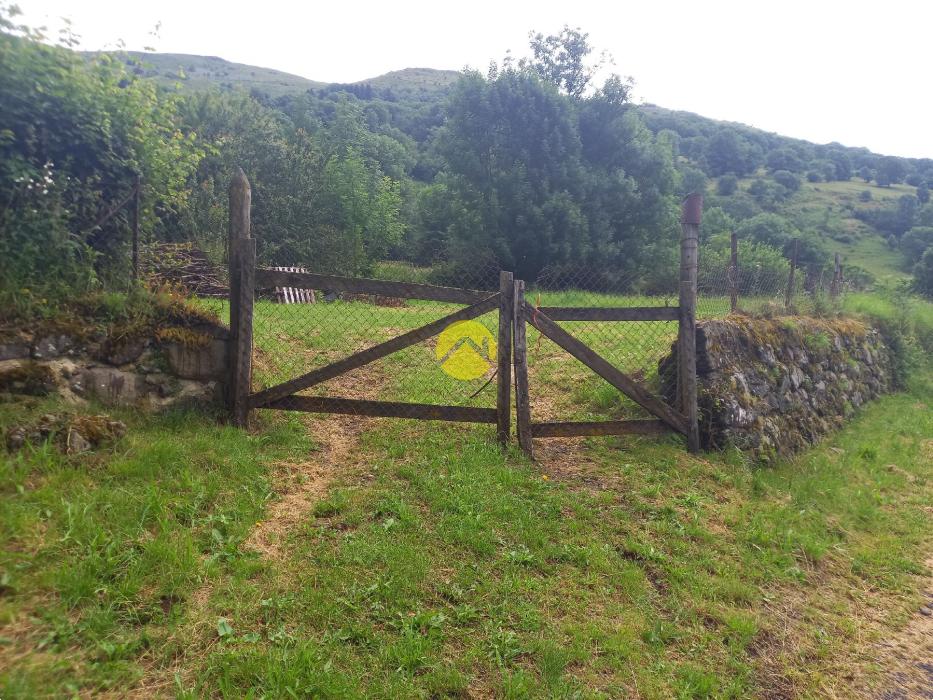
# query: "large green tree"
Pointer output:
{"type": "Point", "coordinates": [544, 178]}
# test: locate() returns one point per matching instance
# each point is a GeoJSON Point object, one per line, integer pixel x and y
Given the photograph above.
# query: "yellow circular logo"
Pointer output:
{"type": "Point", "coordinates": [466, 350]}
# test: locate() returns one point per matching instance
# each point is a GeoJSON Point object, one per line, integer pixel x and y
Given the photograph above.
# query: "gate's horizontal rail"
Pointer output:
{"type": "Point", "coordinates": [266, 278]}
{"type": "Point", "coordinates": [609, 427]}
{"type": "Point", "coordinates": [596, 313]}
{"type": "Point", "coordinates": [606, 370]}
{"type": "Point", "coordinates": [384, 409]}
{"type": "Point", "coordinates": [364, 357]}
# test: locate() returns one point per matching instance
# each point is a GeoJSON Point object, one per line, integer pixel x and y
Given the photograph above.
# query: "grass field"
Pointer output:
{"type": "Point", "coordinates": [342, 557]}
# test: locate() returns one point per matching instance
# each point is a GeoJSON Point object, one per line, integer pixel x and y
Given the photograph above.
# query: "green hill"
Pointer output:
{"type": "Point", "coordinates": [202, 72]}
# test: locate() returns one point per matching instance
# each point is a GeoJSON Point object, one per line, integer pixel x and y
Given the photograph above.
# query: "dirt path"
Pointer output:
{"type": "Point", "coordinates": [301, 484]}
{"type": "Point", "coordinates": [907, 658]}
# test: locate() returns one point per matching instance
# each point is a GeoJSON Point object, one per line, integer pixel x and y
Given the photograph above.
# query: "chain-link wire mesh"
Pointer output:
{"type": "Point", "coordinates": [759, 288]}
{"type": "Point", "coordinates": [296, 331]}
{"type": "Point", "coordinates": [561, 388]}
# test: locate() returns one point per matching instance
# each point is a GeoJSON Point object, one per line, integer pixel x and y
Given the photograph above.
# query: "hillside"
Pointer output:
{"type": "Point", "coordinates": [828, 209]}
{"type": "Point", "coordinates": [202, 72]}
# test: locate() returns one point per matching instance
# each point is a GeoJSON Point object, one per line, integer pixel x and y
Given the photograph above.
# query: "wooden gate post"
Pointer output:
{"type": "Point", "coordinates": [137, 203]}
{"type": "Point", "coordinates": [837, 278]}
{"type": "Point", "coordinates": [689, 259]}
{"type": "Point", "coordinates": [504, 355]}
{"type": "Point", "coordinates": [789, 295]}
{"type": "Point", "coordinates": [242, 261]}
{"type": "Point", "coordinates": [734, 274]}
{"type": "Point", "coordinates": [520, 350]}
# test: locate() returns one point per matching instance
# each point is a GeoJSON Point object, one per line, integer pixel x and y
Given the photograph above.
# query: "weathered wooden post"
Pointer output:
{"type": "Point", "coordinates": [504, 355]}
{"type": "Point", "coordinates": [520, 348]}
{"type": "Point", "coordinates": [137, 197]}
{"type": "Point", "coordinates": [837, 278]}
{"type": "Point", "coordinates": [734, 274]}
{"type": "Point", "coordinates": [789, 294]}
{"type": "Point", "coordinates": [689, 262]}
{"type": "Point", "coordinates": [242, 265]}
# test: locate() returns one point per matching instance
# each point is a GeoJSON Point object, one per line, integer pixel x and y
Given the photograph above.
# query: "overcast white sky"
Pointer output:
{"type": "Point", "coordinates": [824, 70]}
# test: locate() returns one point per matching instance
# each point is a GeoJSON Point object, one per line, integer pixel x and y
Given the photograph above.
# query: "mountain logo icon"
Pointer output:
{"type": "Point", "coordinates": [465, 350]}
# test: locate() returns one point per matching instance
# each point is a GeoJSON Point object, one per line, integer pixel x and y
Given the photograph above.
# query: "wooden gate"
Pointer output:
{"type": "Point", "coordinates": [246, 278]}
{"type": "Point", "coordinates": [514, 314]}
{"type": "Point", "coordinates": [681, 418]}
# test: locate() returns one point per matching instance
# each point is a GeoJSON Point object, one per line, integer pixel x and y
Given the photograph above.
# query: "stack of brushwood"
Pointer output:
{"type": "Point", "coordinates": [183, 265]}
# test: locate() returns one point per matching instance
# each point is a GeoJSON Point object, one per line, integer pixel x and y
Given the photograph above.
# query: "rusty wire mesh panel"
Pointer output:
{"type": "Point", "coordinates": [763, 291]}
{"type": "Point", "coordinates": [297, 331]}
{"type": "Point", "coordinates": [757, 290]}
{"type": "Point", "coordinates": [561, 388]}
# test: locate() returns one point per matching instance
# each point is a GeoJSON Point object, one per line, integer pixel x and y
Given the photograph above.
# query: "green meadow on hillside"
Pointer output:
{"type": "Point", "coordinates": [343, 557]}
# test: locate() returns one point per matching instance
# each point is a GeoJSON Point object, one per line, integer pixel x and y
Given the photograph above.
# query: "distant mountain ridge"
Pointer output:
{"type": "Point", "coordinates": [196, 72]}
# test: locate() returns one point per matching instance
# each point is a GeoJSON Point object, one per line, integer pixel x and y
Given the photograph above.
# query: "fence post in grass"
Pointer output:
{"type": "Point", "coordinates": [504, 357]}
{"type": "Point", "coordinates": [241, 255]}
{"type": "Point", "coordinates": [520, 350]}
{"type": "Point", "coordinates": [734, 274]}
{"type": "Point", "coordinates": [837, 278]}
{"type": "Point", "coordinates": [686, 336]}
{"type": "Point", "coordinates": [137, 196]}
{"type": "Point", "coordinates": [789, 294]}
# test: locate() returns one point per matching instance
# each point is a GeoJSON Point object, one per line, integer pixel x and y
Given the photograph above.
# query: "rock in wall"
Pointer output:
{"type": "Point", "coordinates": [773, 387]}
{"type": "Point", "coordinates": [181, 365]}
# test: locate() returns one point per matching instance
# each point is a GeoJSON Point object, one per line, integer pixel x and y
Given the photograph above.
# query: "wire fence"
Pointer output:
{"type": "Point", "coordinates": [561, 388]}
{"type": "Point", "coordinates": [297, 330]}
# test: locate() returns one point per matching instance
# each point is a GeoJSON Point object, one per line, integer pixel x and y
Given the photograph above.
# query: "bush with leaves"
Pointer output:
{"type": "Point", "coordinates": [923, 273]}
{"type": "Point", "coordinates": [74, 131]}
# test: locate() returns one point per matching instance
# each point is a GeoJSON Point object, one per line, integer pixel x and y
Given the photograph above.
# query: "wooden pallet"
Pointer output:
{"type": "Point", "coordinates": [293, 295]}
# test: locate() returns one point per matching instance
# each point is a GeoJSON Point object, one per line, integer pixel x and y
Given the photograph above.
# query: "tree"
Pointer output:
{"type": "Point", "coordinates": [727, 152]}
{"type": "Point", "coordinates": [865, 173]}
{"type": "Point", "coordinates": [768, 228]}
{"type": "Point", "coordinates": [923, 193]}
{"type": "Point", "coordinates": [842, 164]}
{"type": "Point", "coordinates": [923, 273]}
{"type": "Point", "coordinates": [74, 132]}
{"type": "Point", "coordinates": [786, 179]}
{"type": "Point", "coordinates": [784, 159]}
{"type": "Point", "coordinates": [916, 241]}
{"type": "Point", "coordinates": [540, 178]}
{"type": "Point", "coordinates": [727, 185]}
{"type": "Point", "coordinates": [691, 180]}
{"type": "Point", "coordinates": [890, 170]}
{"type": "Point", "coordinates": [717, 224]}
{"type": "Point", "coordinates": [560, 59]}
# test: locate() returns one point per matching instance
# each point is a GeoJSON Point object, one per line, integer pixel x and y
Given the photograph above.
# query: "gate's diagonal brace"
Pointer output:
{"type": "Point", "coordinates": [606, 370]}
{"type": "Point", "coordinates": [364, 357]}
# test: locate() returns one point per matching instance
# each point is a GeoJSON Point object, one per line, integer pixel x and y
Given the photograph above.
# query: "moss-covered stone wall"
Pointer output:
{"type": "Point", "coordinates": [772, 387]}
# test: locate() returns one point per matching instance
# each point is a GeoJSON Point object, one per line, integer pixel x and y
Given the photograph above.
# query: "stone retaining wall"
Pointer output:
{"type": "Point", "coordinates": [179, 365]}
{"type": "Point", "coordinates": [775, 386]}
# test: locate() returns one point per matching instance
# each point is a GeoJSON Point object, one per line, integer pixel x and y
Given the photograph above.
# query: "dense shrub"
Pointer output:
{"type": "Point", "coordinates": [73, 134]}
{"type": "Point", "coordinates": [727, 185]}
{"type": "Point", "coordinates": [787, 179]}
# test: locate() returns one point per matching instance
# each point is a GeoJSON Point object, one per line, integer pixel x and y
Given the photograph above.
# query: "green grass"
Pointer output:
{"type": "Point", "coordinates": [450, 567]}
{"type": "Point", "coordinates": [434, 565]}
